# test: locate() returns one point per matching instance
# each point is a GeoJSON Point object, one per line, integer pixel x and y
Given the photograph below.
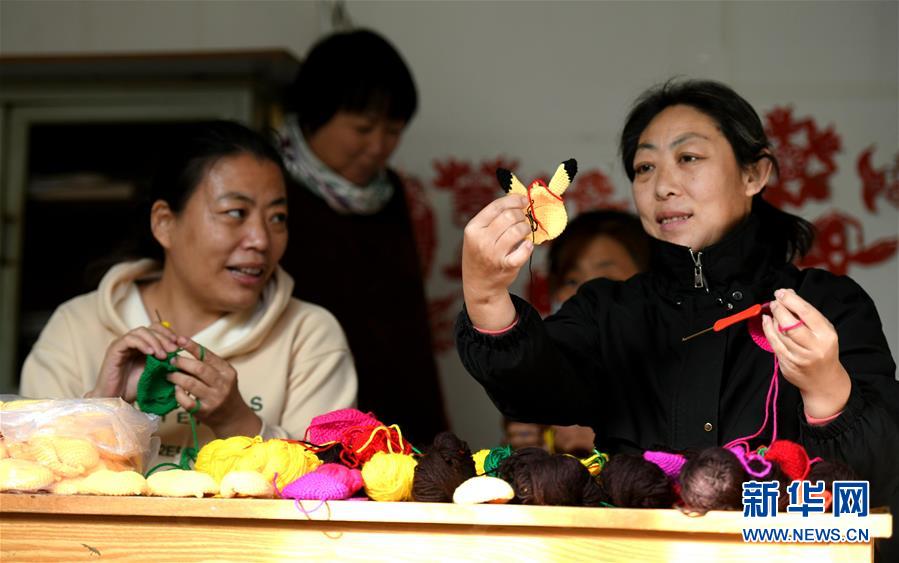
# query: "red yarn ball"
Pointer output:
{"type": "Point", "coordinates": [354, 440]}
{"type": "Point", "coordinates": [792, 458]}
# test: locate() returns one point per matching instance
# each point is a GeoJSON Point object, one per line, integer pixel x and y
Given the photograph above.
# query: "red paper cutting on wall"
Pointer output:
{"type": "Point", "coordinates": [806, 158]}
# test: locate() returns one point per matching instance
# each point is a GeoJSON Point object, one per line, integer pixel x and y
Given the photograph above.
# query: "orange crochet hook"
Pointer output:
{"type": "Point", "coordinates": [722, 324]}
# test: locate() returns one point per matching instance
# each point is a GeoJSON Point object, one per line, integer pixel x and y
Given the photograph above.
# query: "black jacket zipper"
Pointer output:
{"type": "Point", "coordinates": [698, 277]}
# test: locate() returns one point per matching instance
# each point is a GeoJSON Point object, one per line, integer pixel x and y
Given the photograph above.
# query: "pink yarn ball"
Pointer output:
{"type": "Point", "coordinates": [330, 427]}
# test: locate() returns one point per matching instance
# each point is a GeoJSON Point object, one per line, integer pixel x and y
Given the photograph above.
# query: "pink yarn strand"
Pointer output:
{"type": "Point", "coordinates": [744, 461]}
{"type": "Point", "coordinates": [773, 388]}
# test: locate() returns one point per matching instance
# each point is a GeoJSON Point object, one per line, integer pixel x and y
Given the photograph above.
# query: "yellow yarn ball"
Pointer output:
{"type": "Point", "coordinates": [240, 453]}
{"type": "Point", "coordinates": [218, 457]}
{"type": "Point", "coordinates": [289, 460]}
{"type": "Point", "coordinates": [388, 477]}
{"type": "Point", "coordinates": [479, 457]}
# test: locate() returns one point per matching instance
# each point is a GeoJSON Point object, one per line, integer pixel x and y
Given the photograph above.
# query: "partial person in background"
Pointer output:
{"type": "Point", "coordinates": [354, 247]}
{"type": "Point", "coordinates": [596, 244]}
{"type": "Point", "coordinates": [256, 360]}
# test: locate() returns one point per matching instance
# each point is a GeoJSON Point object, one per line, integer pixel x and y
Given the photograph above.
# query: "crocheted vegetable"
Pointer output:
{"type": "Point", "coordinates": [546, 210]}
{"type": "Point", "coordinates": [67, 486]}
{"type": "Point", "coordinates": [114, 483]}
{"type": "Point", "coordinates": [181, 483]}
{"type": "Point", "coordinates": [246, 484]}
{"type": "Point", "coordinates": [24, 475]}
{"type": "Point", "coordinates": [331, 481]}
{"type": "Point", "coordinates": [67, 457]}
{"type": "Point", "coordinates": [483, 489]}
{"type": "Point", "coordinates": [20, 450]}
{"type": "Point", "coordinates": [78, 430]}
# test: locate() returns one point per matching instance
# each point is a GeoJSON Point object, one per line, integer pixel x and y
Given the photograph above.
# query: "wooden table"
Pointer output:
{"type": "Point", "coordinates": [79, 528]}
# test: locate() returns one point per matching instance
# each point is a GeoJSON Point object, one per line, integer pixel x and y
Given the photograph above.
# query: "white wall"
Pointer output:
{"type": "Point", "coordinates": [542, 81]}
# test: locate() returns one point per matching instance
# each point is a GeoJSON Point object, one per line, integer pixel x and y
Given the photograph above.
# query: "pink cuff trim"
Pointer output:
{"type": "Point", "coordinates": [500, 331]}
{"type": "Point", "coordinates": [820, 421]}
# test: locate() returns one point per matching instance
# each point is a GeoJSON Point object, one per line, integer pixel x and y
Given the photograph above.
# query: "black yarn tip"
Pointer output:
{"type": "Point", "coordinates": [505, 179]}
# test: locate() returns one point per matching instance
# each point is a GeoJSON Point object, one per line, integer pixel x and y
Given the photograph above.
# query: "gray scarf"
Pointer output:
{"type": "Point", "coordinates": [340, 194]}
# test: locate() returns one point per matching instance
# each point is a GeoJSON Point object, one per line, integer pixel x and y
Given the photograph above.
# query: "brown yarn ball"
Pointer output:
{"type": "Point", "coordinates": [540, 478]}
{"type": "Point", "coordinates": [444, 466]}
{"type": "Point", "coordinates": [629, 481]}
{"type": "Point", "coordinates": [713, 480]}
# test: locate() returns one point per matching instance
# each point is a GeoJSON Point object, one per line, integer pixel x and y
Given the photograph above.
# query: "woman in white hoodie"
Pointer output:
{"type": "Point", "coordinates": [258, 361]}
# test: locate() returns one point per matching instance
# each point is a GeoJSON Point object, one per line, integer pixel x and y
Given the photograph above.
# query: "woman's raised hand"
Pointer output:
{"type": "Point", "coordinates": [205, 377]}
{"type": "Point", "coordinates": [494, 248]}
{"type": "Point", "coordinates": [808, 351]}
{"type": "Point", "coordinates": [126, 357]}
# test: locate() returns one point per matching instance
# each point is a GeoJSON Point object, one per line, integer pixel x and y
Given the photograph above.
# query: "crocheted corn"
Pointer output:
{"type": "Point", "coordinates": [23, 475]}
{"type": "Point", "coordinates": [246, 484]}
{"type": "Point", "coordinates": [66, 457]}
{"type": "Point", "coordinates": [181, 483]}
{"type": "Point", "coordinates": [114, 483]}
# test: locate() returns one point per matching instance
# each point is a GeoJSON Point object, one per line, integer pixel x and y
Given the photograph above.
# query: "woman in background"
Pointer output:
{"type": "Point", "coordinates": [257, 361]}
{"type": "Point", "coordinates": [354, 247]}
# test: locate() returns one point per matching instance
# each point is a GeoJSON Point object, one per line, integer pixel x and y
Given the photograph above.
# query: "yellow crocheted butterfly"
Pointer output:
{"type": "Point", "coordinates": [546, 210]}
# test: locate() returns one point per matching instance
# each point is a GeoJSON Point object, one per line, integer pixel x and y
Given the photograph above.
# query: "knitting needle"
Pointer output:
{"type": "Point", "coordinates": [722, 324]}
{"type": "Point", "coordinates": [166, 324]}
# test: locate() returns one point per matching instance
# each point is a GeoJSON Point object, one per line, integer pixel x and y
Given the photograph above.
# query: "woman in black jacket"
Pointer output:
{"type": "Point", "coordinates": [614, 358]}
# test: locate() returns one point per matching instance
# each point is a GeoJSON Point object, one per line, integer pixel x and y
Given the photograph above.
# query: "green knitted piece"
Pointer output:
{"type": "Point", "coordinates": [494, 458]}
{"type": "Point", "coordinates": [155, 393]}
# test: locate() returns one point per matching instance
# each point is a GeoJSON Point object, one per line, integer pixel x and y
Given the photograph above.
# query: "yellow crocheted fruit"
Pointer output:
{"type": "Point", "coordinates": [245, 484]}
{"type": "Point", "coordinates": [181, 483]}
{"type": "Point", "coordinates": [546, 209]}
{"type": "Point", "coordinates": [114, 483]}
{"type": "Point", "coordinates": [483, 489]}
{"type": "Point", "coordinates": [67, 457]}
{"type": "Point", "coordinates": [24, 475]}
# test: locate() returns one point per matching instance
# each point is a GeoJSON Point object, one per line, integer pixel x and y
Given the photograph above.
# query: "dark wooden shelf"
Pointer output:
{"type": "Point", "coordinates": [272, 66]}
